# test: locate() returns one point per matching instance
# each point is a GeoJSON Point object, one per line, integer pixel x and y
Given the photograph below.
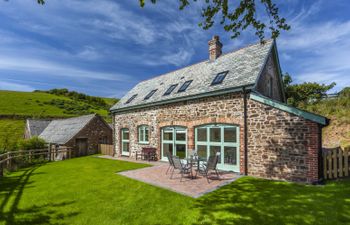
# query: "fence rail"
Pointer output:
{"type": "Point", "coordinates": [51, 153]}
{"type": "Point", "coordinates": [336, 163]}
{"type": "Point", "coordinates": [106, 149]}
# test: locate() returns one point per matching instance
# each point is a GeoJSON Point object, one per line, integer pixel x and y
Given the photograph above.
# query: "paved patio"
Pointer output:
{"type": "Point", "coordinates": [156, 175]}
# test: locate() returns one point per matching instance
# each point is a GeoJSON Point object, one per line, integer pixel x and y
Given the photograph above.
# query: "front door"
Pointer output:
{"type": "Point", "coordinates": [174, 140]}
{"type": "Point", "coordinates": [222, 139]}
{"type": "Point", "coordinates": [82, 144]}
{"type": "Point", "coordinates": [125, 138]}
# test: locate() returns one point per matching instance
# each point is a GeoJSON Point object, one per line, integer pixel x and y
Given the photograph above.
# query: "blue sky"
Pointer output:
{"type": "Point", "coordinates": [105, 47]}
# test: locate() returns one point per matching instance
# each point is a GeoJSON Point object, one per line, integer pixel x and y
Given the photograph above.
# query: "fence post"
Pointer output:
{"type": "Point", "coordinates": [346, 161]}
{"type": "Point", "coordinates": [340, 157]}
{"type": "Point", "coordinates": [49, 152]}
{"type": "Point", "coordinates": [8, 160]}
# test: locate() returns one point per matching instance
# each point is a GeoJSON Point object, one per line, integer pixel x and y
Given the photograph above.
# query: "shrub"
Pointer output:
{"type": "Point", "coordinates": [32, 143]}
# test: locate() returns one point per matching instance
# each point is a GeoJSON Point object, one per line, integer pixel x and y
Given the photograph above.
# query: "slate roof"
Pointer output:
{"type": "Point", "coordinates": [36, 127]}
{"type": "Point", "coordinates": [61, 131]}
{"type": "Point", "coordinates": [243, 66]}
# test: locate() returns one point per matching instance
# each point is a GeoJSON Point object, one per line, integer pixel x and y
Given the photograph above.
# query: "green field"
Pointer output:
{"type": "Point", "coordinates": [87, 190]}
{"type": "Point", "coordinates": [35, 104]}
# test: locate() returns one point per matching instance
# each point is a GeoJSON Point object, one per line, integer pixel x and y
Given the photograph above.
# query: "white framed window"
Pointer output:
{"type": "Point", "coordinates": [143, 134]}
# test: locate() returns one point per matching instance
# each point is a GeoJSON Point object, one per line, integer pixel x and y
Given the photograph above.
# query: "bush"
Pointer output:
{"type": "Point", "coordinates": [32, 143]}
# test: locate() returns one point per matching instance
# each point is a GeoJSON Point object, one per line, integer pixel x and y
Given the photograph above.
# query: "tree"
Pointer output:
{"type": "Point", "coordinates": [305, 93]}
{"type": "Point", "coordinates": [236, 16]}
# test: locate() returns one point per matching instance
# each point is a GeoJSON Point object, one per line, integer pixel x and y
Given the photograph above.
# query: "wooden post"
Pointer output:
{"type": "Point", "coordinates": [335, 162]}
{"type": "Point", "coordinates": [69, 152]}
{"type": "Point", "coordinates": [49, 152]}
{"type": "Point", "coordinates": [330, 168]}
{"type": "Point", "coordinates": [340, 157]}
{"type": "Point", "coordinates": [8, 160]}
{"type": "Point", "coordinates": [325, 174]}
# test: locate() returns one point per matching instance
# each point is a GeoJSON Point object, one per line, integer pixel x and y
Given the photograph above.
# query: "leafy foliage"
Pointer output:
{"type": "Point", "coordinates": [32, 143]}
{"type": "Point", "coordinates": [76, 96]}
{"type": "Point", "coordinates": [300, 95]}
{"type": "Point", "coordinates": [238, 16]}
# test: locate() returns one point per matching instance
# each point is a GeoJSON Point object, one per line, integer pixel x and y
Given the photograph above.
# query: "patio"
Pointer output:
{"type": "Point", "coordinates": [156, 175]}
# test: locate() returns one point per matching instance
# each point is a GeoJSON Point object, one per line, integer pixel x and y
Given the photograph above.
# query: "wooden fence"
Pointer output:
{"type": "Point", "coordinates": [106, 149]}
{"type": "Point", "coordinates": [51, 153]}
{"type": "Point", "coordinates": [336, 162]}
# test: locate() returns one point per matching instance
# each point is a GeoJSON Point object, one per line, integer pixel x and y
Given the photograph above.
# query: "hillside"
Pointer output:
{"type": "Point", "coordinates": [338, 110]}
{"type": "Point", "coordinates": [15, 107]}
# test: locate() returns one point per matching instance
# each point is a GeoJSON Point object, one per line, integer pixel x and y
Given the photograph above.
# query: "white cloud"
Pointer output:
{"type": "Point", "coordinates": [55, 69]}
{"type": "Point", "coordinates": [14, 86]}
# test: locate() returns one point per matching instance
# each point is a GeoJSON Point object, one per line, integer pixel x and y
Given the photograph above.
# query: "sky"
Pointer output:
{"type": "Point", "coordinates": [105, 47]}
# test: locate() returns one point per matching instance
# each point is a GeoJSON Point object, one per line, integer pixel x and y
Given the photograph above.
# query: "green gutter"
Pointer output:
{"type": "Point", "coordinates": [284, 107]}
{"type": "Point", "coordinates": [185, 98]}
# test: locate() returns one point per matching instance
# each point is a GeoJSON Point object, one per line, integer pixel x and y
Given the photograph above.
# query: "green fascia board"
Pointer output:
{"type": "Point", "coordinates": [284, 107]}
{"type": "Point", "coordinates": [185, 98]}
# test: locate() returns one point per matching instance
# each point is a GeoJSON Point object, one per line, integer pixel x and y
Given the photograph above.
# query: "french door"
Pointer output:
{"type": "Point", "coordinates": [125, 139]}
{"type": "Point", "coordinates": [222, 139]}
{"type": "Point", "coordinates": [174, 140]}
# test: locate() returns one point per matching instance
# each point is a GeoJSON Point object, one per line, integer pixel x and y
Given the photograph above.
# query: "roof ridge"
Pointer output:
{"type": "Point", "coordinates": [230, 52]}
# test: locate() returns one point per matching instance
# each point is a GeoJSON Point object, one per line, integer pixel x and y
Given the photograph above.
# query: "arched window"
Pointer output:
{"type": "Point", "coordinates": [143, 134]}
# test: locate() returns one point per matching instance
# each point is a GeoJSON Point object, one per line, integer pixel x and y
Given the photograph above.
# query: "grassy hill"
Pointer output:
{"type": "Point", "coordinates": [338, 110]}
{"type": "Point", "coordinates": [16, 106]}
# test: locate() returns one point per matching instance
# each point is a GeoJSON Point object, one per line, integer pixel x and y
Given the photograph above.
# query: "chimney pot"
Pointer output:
{"type": "Point", "coordinates": [215, 48]}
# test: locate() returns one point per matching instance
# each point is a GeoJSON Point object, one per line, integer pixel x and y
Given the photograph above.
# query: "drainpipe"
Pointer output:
{"type": "Point", "coordinates": [245, 132]}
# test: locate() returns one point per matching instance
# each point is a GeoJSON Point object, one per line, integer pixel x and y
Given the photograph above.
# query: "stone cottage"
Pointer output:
{"type": "Point", "coordinates": [233, 104]}
{"type": "Point", "coordinates": [82, 133]}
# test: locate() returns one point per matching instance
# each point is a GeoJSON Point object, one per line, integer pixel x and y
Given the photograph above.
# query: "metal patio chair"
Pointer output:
{"type": "Point", "coordinates": [211, 165]}
{"type": "Point", "coordinates": [171, 163]}
{"type": "Point", "coordinates": [182, 167]}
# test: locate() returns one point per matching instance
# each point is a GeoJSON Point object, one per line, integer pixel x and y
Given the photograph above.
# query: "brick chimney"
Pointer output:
{"type": "Point", "coordinates": [215, 47]}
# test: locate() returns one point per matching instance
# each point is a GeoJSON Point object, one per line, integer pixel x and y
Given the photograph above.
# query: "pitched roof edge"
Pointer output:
{"type": "Point", "coordinates": [92, 117]}
{"type": "Point", "coordinates": [184, 98]}
{"type": "Point", "coordinates": [290, 109]}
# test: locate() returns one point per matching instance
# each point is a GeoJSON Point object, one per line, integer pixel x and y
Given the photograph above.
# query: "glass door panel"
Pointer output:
{"type": "Point", "coordinates": [230, 134]}
{"type": "Point", "coordinates": [215, 150]}
{"type": "Point", "coordinates": [230, 155]}
{"type": "Point", "coordinates": [181, 151]}
{"type": "Point", "coordinates": [167, 147]}
{"type": "Point", "coordinates": [125, 142]}
{"type": "Point", "coordinates": [215, 134]}
{"type": "Point", "coordinates": [202, 151]}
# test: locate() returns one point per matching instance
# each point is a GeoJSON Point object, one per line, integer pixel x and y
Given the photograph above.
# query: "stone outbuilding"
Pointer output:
{"type": "Point", "coordinates": [82, 133]}
{"type": "Point", "coordinates": [233, 104]}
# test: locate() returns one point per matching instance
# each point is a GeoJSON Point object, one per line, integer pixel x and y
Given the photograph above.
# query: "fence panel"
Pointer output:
{"type": "Point", "coordinates": [336, 162]}
{"type": "Point", "coordinates": [106, 149]}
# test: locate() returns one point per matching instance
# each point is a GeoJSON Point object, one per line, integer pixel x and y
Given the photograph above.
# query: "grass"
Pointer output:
{"type": "Point", "coordinates": [32, 104]}
{"type": "Point", "coordinates": [13, 130]}
{"type": "Point", "coordinates": [87, 191]}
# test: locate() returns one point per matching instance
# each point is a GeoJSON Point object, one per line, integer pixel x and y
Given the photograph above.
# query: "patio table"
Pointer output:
{"type": "Point", "coordinates": [192, 161]}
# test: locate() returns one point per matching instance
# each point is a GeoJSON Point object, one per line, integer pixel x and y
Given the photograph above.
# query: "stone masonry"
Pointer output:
{"type": "Point", "coordinates": [280, 145]}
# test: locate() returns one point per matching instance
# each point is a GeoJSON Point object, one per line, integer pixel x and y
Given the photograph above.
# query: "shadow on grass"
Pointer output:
{"type": "Point", "coordinates": [257, 201]}
{"type": "Point", "coordinates": [11, 191]}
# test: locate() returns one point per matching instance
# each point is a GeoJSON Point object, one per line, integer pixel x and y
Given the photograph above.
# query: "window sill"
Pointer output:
{"type": "Point", "coordinates": [143, 143]}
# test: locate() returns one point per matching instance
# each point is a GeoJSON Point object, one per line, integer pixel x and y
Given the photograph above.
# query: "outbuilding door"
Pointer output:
{"type": "Point", "coordinates": [82, 144]}
{"type": "Point", "coordinates": [125, 139]}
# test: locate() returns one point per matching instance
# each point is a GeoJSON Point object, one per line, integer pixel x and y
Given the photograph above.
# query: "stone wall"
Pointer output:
{"type": "Point", "coordinates": [280, 145]}
{"type": "Point", "coordinates": [93, 131]}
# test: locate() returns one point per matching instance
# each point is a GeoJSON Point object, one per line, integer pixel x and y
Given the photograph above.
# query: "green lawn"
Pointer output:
{"type": "Point", "coordinates": [87, 191]}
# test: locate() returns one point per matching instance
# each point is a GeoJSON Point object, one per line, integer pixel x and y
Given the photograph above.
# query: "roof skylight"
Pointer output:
{"type": "Point", "coordinates": [130, 99]}
{"type": "Point", "coordinates": [185, 86]}
{"type": "Point", "coordinates": [219, 78]}
{"type": "Point", "coordinates": [150, 94]}
{"type": "Point", "coordinates": [170, 89]}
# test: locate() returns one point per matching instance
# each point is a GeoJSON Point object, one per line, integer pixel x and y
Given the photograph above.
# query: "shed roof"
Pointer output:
{"type": "Point", "coordinates": [243, 66]}
{"type": "Point", "coordinates": [36, 127]}
{"type": "Point", "coordinates": [61, 131]}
